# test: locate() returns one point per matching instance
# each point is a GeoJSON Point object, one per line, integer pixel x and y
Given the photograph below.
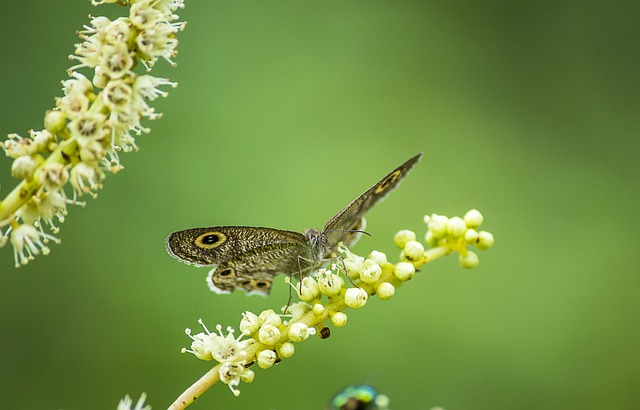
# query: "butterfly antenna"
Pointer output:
{"type": "Point", "coordinates": [349, 230]}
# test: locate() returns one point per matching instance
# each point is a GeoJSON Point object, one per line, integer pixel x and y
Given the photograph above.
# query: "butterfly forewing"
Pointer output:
{"type": "Point", "coordinates": [340, 228]}
{"type": "Point", "coordinates": [244, 257]}
{"type": "Point", "coordinates": [219, 244]}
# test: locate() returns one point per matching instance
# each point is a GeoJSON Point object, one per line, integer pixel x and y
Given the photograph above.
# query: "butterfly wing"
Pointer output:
{"type": "Point", "coordinates": [244, 257]}
{"type": "Point", "coordinates": [352, 216]}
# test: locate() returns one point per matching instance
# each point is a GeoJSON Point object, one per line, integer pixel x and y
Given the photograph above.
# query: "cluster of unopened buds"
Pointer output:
{"type": "Point", "coordinates": [95, 120]}
{"type": "Point", "coordinates": [268, 338]}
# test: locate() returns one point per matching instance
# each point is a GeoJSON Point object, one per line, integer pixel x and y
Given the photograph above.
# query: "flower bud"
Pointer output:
{"type": "Point", "coordinates": [473, 218]}
{"type": "Point", "coordinates": [456, 227]}
{"type": "Point", "coordinates": [355, 297]}
{"type": "Point", "coordinates": [385, 290]}
{"type": "Point", "coordinates": [266, 358]}
{"type": "Point", "coordinates": [485, 240]}
{"type": "Point", "coordinates": [286, 350]}
{"type": "Point", "coordinates": [402, 237]}
{"type": "Point", "coordinates": [339, 319]}
{"type": "Point", "coordinates": [249, 323]}
{"type": "Point", "coordinates": [268, 334]}
{"type": "Point", "coordinates": [371, 271]}
{"type": "Point", "coordinates": [413, 251]}
{"type": "Point", "coordinates": [469, 261]}
{"type": "Point", "coordinates": [404, 271]}
{"type": "Point", "coordinates": [298, 332]}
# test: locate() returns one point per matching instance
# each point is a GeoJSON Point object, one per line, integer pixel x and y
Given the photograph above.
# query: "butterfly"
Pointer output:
{"type": "Point", "coordinates": [249, 257]}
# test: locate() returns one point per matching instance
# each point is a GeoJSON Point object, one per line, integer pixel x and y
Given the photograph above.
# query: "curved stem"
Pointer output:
{"type": "Point", "coordinates": [434, 253]}
{"type": "Point", "coordinates": [196, 389]}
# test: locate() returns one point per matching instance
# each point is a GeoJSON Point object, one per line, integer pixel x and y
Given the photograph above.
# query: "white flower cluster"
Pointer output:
{"type": "Point", "coordinates": [230, 352]}
{"type": "Point", "coordinates": [127, 402]}
{"type": "Point", "coordinates": [94, 120]}
{"type": "Point", "coordinates": [268, 340]}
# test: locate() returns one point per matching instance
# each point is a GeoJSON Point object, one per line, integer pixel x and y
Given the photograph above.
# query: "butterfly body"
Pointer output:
{"type": "Point", "coordinates": [249, 257]}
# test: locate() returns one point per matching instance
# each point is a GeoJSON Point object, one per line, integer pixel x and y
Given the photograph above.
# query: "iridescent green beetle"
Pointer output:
{"type": "Point", "coordinates": [363, 397]}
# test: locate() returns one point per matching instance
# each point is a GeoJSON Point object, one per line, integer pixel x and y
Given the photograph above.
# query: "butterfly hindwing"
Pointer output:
{"type": "Point", "coordinates": [225, 279]}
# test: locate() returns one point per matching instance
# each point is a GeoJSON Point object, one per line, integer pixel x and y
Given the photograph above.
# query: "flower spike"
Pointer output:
{"type": "Point", "coordinates": [97, 118]}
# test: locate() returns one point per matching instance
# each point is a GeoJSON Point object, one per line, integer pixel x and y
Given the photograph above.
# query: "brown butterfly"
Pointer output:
{"type": "Point", "coordinates": [249, 257]}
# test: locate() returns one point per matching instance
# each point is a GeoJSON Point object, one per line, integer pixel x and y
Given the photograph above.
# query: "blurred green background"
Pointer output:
{"type": "Point", "coordinates": [286, 111]}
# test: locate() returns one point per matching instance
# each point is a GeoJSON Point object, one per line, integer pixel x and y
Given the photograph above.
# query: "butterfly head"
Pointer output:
{"type": "Point", "coordinates": [319, 243]}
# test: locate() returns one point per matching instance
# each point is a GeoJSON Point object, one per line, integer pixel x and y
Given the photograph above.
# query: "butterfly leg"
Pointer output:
{"type": "Point", "coordinates": [299, 288]}
{"type": "Point", "coordinates": [302, 269]}
{"type": "Point", "coordinates": [284, 310]}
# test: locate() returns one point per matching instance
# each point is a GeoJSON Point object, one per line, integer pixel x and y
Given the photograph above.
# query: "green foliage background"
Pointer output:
{"type": "Point", "coordinates": [285, 112]}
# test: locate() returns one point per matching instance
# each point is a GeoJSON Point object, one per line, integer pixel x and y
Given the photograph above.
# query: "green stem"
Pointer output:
{"type": "Point", "coordinates": [433, 254]}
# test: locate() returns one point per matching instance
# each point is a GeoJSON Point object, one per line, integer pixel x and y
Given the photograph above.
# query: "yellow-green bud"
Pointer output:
{"type": "Point", "coordinates": [266, 358]}
{"type": "Point", "coordinates": [378, 257]}
{"type": "Point", "coordinates": [485, 240]}
{"type": "Point", "coordinates": [339, 319]}
{"type": "Point", "coordinates": [469, 261]}
{"type": "Point", "coordinates": [318, 309]}
{"type": "Point", "coordinates": [23, 167]}
{"type": "Point", "coordinates": [249, 323]}
{"type": "Point", "coordinates": [404, 271]}
{"type": "Point", "coordinates": [54, 121]}
{"type": "Point", "coordinates": [270, 317]}
{"type": "Point", "coordinates": [268, 334]}
{"type": "Point", "coordinates": [371, 271]}
{"type": "Point", "coordinates": [286, 350]}
{"type": "Point", "coordinates": [247, 375]}
{"type": "Point", "coordinates": [456, 227]}
{"type": "Point", "coordinates": [413, 251]}
{"type": "Point", "coordinates": [385, 290]}
{"type": "Point", "coordinates": [402, 237]}
{"type": "Point", "coordinates": [329, 283]}
{"type": "Point", "coordinates": [298, 332]}
{"type": "Point", "coordinates": [438, 225]}
{"type": "Point", "coordinates": [310, 289]}
{"type": "Point", "coordinates": [100, 79]}
{"type": "Point", "coordinates": [471, 236]}
{"type": "Point", "coordinates": [353, 265]}
{"type": "Point", "coordinates": [355, 297]}
{"type": "Point", "coordinates": [473, 218]}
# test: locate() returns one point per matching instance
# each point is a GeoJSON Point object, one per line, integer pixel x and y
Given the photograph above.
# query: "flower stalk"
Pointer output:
{"type": "Point", "coordinates": [197, 389]}
{"type": "Point", "coordinates": [268, 338]}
